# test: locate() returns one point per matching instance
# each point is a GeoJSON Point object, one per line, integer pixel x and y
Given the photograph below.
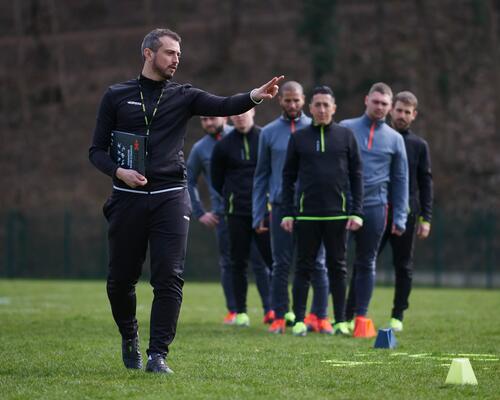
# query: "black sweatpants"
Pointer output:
{"type": "Point", "coordinates": [402, 259]}
{"type": "Point", "coordinates": [136, 220]}
{"type": "Point", "coordinates": [240, 239]}
{"type": "Point", "coordinates": [309, 236]}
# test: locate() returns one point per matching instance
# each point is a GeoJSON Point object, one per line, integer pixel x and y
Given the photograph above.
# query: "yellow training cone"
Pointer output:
{"type": "Point", "coordinates": [461, 372]}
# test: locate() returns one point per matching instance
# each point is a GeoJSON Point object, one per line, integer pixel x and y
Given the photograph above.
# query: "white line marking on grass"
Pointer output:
{"type": "Point", "coordinates": [337, 363]}
{"type": "Point", "coordinates": [421, 355]}
{"type": "Point", "coordinates": [443, 360]}
{"type": "Point", "coordinates": [474, 355]}
{"type": "Point", "coordinates": [4, 301]}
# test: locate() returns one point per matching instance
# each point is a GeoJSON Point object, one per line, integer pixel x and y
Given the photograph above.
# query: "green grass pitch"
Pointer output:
{"type": "Point", "coordinates": [58, 341]}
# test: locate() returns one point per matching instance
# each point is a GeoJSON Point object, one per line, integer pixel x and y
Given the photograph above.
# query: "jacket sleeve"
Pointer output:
{"type": "Point", "coordinates": [218, 167]}
{"type": "Point", "coordinates": [209, 105]}
{"type": "Point", "coordinates": [424, 180]}
{"type": "Point", "coordinates": [355, 176]}
{"type": "Point", "coordinates": [399, 184]}
{"type": "Point", "coordinates": [105, 123]}
{"type": "Point", "coordinates": [261, 180]}
{"type": "Point", "coordinates": [290, 172]}
{"type": "Point", "coordinates": [194, 168]}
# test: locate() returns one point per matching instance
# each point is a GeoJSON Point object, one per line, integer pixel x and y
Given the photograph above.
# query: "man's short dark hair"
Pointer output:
{"type": "Point", "coordinates": [290, 86]}
{"type": "Point", "coordinates": [406, 97]}
{"type": "Point", "coordinates": [152, 39]}
{"type": "Point", "coordinates": [382, 88]}
{"type": "Point", "coordinates": [323, 89]}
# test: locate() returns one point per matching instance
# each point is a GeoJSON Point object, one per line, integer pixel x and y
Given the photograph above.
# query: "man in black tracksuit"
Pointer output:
{"type": "Point", "coordinates": [403, 113]}
{"type": "Point", "coordinates": [324, 159]}
{"type": "Point", "coordinates": [153, 209]}
{"type": "Point", "coordinates": [234, 159]}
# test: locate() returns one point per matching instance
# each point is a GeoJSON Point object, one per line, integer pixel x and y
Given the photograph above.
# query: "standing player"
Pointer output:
{"type": "Point", "coordinates": [403, 113]}
{"type": "Point", "coordinates": [322, 162]}
{"type": "Point", "coordinates": [384, 164]}
{"type": "Point", "coordinates": [273, 143]}
{"type": "Point", "coordinates": [199, 163]}
{"type": "Point", "coordinates": [233, 166]}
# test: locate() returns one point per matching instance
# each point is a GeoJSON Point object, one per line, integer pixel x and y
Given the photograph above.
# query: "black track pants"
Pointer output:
{"type": "Point", "coordinates": [310, 234]}
{"type": "Point", "coordinates": [240, 238]}
{"type": "Point", "coordinates": [402, 258]}
{"type": "Point", "coordinates": [136, 221]}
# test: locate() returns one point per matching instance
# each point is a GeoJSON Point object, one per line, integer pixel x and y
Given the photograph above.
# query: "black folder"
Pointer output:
{"type": "Point", "coordinates": [128, 150]}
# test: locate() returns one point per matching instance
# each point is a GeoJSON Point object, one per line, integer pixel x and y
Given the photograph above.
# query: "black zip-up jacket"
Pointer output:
{"type": "Point", "coordinates": [234, 159]}
{"type": "Point", "coordinates": [419, 166]}
{"type": "Point", "coordinates": [121, 110]}
{"type": "Point", "coordinates": [326, 162]}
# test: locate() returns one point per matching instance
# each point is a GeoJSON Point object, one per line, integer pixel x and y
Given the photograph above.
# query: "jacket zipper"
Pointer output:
{"type": "Point", "coordinates": [247, 149]}
{"type": "Point", "coordinates": [231, 205]}
{"type": "Point", "coordinates": [322, 130]}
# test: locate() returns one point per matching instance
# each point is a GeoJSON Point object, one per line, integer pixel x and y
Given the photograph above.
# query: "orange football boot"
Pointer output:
{"type": "Point", "coordinates": [230, 318]}
{"type": "Point", "coordinates": [311, 321]}
{"type": "Point", "coordinates": [269, 317]}
{"type": "Point", "coordinates": [278, 326]}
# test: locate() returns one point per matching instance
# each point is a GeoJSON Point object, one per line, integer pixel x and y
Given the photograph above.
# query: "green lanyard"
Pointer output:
{"type": "Point", "coordinates": [148, 123]}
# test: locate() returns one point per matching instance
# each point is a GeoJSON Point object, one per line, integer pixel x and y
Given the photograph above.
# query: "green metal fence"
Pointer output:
{"type": "Point", "coordinates": [462, 250]}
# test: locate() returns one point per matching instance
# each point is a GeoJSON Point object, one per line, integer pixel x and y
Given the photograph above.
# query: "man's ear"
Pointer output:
{"type": "Point", "coordinates": [148, 54]}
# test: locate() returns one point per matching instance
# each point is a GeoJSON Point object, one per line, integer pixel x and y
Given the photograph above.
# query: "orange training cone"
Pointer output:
{"type": "Point", "coordinates": [364, 328]}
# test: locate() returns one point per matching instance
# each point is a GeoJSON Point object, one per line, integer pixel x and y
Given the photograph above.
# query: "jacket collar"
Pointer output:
{"type": "Point", "coordinates": [151, 84]}
{"type": "Point", "coordinates": [285, 117]}
{"type": "Point", "coordinates": [368, 121]}
{"type": "Point", "coordinates": [317, 126]}
{"type": "Point", "coordinates": [217, 135]}
{"type": "Point", "coordinates": [247, 134]}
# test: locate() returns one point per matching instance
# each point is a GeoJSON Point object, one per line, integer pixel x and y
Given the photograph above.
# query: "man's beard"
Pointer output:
{"type": "Point", "coordinates": [401, 125]}
{"type": "Point", "coordinates": [162, 72]}
{"type": "Point", "coordinates": [217, 130]}
{"type": "Point", "coordinates": [297, 114]}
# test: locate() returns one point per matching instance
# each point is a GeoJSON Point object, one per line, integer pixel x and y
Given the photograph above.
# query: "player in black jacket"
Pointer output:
{"type": "Point", "coordinates": [323, 163]}
{"type": "Point", "coordinates": [154, 209]}
{"type": "Point", "coordinates": [234, 159]}
{"type": "Point", "coordinates": [403, 113]}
